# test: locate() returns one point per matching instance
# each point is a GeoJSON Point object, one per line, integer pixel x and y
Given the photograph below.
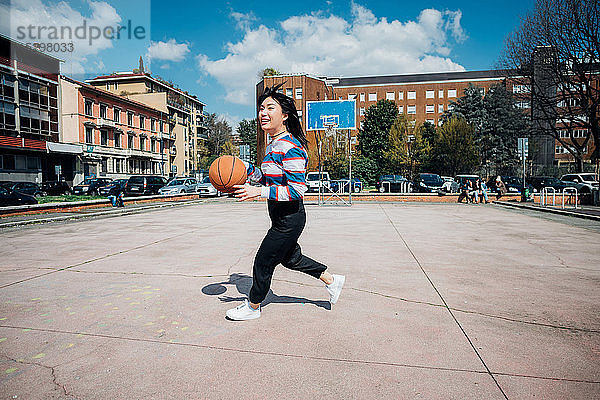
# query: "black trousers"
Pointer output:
{"type": "Point", "coordinates": [280, 246]}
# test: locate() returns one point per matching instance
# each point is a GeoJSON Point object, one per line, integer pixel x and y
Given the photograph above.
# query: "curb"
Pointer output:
{"type": "Point", "coordinates": [548, 210]}
{"type": "Point", "coordinates": [111, 213]}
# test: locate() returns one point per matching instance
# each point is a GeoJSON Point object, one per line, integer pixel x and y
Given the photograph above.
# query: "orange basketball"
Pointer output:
{"type": "Point", "coordinates": [227, 171]}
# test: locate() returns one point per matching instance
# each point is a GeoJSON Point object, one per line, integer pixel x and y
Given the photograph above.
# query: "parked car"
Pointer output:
{"type": "Point", "coordinates": [313, 182]}
{"type": "Point", "coordinates": [428, 183]}
{"type": "Point", "coordinates": [205, 188]}
{"type": "Point", "coordinates": [393, 183]}
{"type": "Point", "coordinates": [342, 185]}
{"type": "Point", "coordinates": [9, 197]}
{"type": "Point", "coordinates": [55, 188]}
{"type": "Point", "coordinates": [450, 185]}
{"type": "Point", "coordinates": [144, 185]}
{"type": "Point", "coordinates": [514, 184]}
{"type": "Point", "coordinates": [90, 186]}
{"type": "Point", "coordinates": [540, 182]}
{"type": "Point", "coordinates": [587, 179]}
{"type": "Point", "coordinates": [30, 188]}
{"type": "Point", "coordinates": [113, 188]}
{"type": "Point", "coordinates": [179, 185]}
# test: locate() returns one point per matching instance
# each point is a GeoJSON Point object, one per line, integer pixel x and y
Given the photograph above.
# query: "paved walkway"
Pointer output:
{"type": "Point", "coordinates": [446, 301]}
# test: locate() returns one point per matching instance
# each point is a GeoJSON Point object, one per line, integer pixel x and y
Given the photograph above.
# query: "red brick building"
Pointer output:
{"type": "Point", "coordinates": [421, 97]}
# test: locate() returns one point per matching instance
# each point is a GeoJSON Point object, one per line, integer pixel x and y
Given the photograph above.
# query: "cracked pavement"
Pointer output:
{"type": "Point", "coordinates": [441, 301]}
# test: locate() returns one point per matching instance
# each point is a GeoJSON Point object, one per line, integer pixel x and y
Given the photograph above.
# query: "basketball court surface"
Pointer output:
{"type": "Point", "coordinates": [442, 301]}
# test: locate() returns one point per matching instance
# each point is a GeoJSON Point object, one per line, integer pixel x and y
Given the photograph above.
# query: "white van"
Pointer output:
{"type": "Point", "coordinates": [313, 183]}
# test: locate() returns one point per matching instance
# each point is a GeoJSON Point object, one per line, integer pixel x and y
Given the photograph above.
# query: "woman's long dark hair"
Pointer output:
{"type": "Point", "coordinates": [288, 106]}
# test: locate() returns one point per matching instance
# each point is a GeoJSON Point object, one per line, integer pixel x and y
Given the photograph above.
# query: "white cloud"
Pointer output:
{"type": "Point", "coordinates": [169, 50]}
{"type": "Point", "coordinates": [59, 17]}
{"type": "Point", "coordinates": [328, 45]}
{"type": "Point", "coordinates": [244, 21]}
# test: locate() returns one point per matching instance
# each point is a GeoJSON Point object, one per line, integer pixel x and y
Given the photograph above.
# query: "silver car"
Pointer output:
{"type": "Point", "coordinates": [206, 188]}
{"type": "Point", "coordinates": [179, 185]}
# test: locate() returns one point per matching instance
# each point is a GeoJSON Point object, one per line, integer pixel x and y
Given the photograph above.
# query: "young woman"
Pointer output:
{"type": "Point", "coordinates": [283, 185]}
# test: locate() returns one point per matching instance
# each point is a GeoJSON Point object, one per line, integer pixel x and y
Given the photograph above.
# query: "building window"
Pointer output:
{"type": "Point", "coordinates": [521, 89]}
{"type": "Point", "coordinates": [117, 165]}
{"type": "Point", "coordinates": [412, 95]}
{"type": "Point", "coordinates": [129, 118]}
{"type": "Point", "coordinates": [411, 109]}
{"type": "Point", "coordinates": [160, 125]}
{"type": "Point", "coordinates": [116, 85]}
{"type": "Point", "coordinates": [429, 108]}
{"type": "Point", "coordinates": [104, 137]}
{"type": "Point", "coordinates": [88, 107]}
{"type": "Point", "coordinates": [153, 125]}
{"type": "Point", "coordinates": [352, 96]}
{"type": "Point", "coordinates": [401, 109]}
{"type": "Point", "coordinates": [390, 96]}
{"type": "Point", "coordinates": [142, 122]}
{"type": "Point", "coordinates": [130, 141]}
{"type": "Point", "coordinates": [288, 92]}
{"type": "Point", "coordinates": [153, 145]}
{"type": "Point", "coordinates": [117, 139]}
{"type": "Point", "coordinates": [400, 95]}
{"type": "Point", "coordinates": [116, 114]}
{"type": "Point", "coordinates": [441, 93]}
{"type": "Point", "coordinates": [429, 94]}
{"type": "Point", "coordinates": [372, 96]}
{"type": "Point", "coordinates": [451, 92]}
{"type": "Point", "coordinates": [103, 108]}
{"type": "Point", "coordinates": [89, 135]}
{"type": "Point", "coordinates": [107, 86]}
{"type": "Point", "coordinates": [431, 121]}
{"type": "Point", "coordinates": [440, 108]}
{"type": "Point", "coordinates": [298, 93]}
{"type": "Point", "coordinates": [142, 143]}
{"type": "Point", "coordinates": [362, 97]}
{"type": "Point", "coordinates": [361, 111]}
{"type": "Point", "coordinates": [523, 104]}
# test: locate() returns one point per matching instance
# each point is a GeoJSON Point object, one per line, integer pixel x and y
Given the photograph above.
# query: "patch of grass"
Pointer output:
{"type": "Point", "coordinates": [66, 198]}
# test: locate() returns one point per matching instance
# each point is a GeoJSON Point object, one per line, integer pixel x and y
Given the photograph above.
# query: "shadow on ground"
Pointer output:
{"type": "Point", "coordinates": [243, 283]}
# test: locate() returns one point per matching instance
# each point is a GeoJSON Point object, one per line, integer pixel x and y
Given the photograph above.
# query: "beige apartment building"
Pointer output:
{"type": "Point", "coordinates": [184, 113]}
{"type": "Point", "coordinates": [119, 137]}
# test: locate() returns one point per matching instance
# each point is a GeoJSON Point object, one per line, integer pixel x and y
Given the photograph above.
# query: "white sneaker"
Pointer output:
{"type": "Point", "coordinates": [243, 312]}
{"type": "Point", "coordinates": [335, 288]}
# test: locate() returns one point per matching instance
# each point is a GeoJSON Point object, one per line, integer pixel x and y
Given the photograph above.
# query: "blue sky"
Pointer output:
{"type": "Point", "coordinates": [215, 49]}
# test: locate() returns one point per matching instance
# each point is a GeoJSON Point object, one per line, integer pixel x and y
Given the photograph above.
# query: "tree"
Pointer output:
{"type": "Point", "coordinates": [219, 132]}
{"type": "Point", "coordinates": [228, 148]}
{"type": "Point", "coordinates": [365, 169]}
{"type": "Point", "coordinates": [373, 137]}
{"type": "Point", "coordinates": [268, 72]}
{"type": "Point", "coordinates": [557, 50]}
{"type": "Point", "coordinates": [454, 149]}
{"type": "Point", "coordinates": [497, 123]}
{"type": "Point", "coordinates": [247, 129]}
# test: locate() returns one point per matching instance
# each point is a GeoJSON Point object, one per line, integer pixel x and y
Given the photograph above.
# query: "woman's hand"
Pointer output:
{"type": "Point", "coordinates": [247, 192]}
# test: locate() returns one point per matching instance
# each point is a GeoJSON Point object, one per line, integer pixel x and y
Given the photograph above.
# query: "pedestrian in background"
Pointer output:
{"type": "Point", "coordinates": [500, 188]}
{"type": "Point", "coordinates": [483, 188]}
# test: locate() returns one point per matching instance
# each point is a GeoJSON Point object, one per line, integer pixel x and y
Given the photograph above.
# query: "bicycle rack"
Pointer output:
{"type": "Point", "coordinates": [544, 197]}
{"type": "Point", "coordinates": [569, 189]}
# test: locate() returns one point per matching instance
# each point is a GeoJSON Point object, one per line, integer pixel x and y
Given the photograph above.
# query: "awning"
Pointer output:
{"type": "Point", "coordinates": [64, 148]}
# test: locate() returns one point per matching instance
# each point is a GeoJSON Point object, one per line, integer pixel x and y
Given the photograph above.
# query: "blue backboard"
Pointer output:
{"type": "Point", "coordinates": [320, 115]}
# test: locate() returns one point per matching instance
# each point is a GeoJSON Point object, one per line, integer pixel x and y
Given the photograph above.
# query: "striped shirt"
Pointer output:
{"type": "Point", "coordinates": [282, 171]}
